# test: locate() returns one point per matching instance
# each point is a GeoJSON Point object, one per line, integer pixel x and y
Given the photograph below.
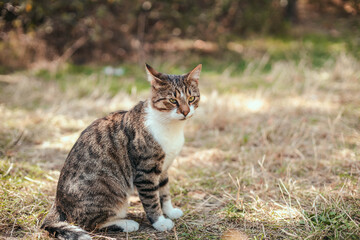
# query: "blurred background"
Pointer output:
{"type": "Point", "coordinates": [115, 31]}
{"type": "Point", "coordinates": [273, 151]}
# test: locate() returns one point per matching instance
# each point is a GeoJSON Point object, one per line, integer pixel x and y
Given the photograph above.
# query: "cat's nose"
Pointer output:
{"type": "Point", "coordinates": [185, 112]}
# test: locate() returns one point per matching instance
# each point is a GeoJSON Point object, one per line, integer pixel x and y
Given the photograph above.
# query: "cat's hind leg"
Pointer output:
{"type": "Point", "coordinates": [119, 223]}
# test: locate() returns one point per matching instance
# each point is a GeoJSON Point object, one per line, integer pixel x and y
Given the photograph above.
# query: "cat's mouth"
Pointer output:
{"type": "Point", "coordinates": [185, 118]}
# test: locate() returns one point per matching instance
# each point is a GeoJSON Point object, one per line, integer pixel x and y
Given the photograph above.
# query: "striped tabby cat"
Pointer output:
{"type": "Point", "coordinates": [121, 152]}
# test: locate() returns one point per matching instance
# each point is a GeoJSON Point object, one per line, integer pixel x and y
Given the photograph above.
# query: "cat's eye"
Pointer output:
{"type": "Point", "coordinates": [173, 101]}
{"type": "Point", "coordinates": [191, 99]}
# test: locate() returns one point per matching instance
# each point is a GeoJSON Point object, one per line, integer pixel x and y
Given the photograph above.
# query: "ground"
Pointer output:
{"type": "Point", "coordinates": [272, 153]}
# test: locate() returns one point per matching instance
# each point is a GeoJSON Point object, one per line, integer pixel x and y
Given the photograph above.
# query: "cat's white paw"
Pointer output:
{"type": "Point", "coordinates": [163, 224]}
{"type": "Point", "coordinates": [171, 212]}
{"type": "Point", "coordinates": [130, 226]}
{"type": "Point", "coordinates": [125, 224]}
{"type": "Point", "coordinates": [174, 213]}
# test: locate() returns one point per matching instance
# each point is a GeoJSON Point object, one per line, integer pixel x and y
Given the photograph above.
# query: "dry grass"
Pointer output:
{"type": "Point", "coordinates": [279, 161]}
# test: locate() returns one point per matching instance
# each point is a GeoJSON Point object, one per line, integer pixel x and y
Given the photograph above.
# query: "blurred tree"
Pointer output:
{"type": "Point", "coordinates": [337, 7]}
{"type": "Point", "coordinates": [108, 30]}
{"type": "Point", "coordinates": [291, 12]}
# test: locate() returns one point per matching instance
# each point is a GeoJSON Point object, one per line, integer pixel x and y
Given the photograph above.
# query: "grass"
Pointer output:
{"type": "Point", "coordinates": [25, 197]}
{"type": "Point", "coordinates": [272, 153]}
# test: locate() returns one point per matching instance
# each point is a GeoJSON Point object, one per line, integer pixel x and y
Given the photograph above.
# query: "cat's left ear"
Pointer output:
{"type": "Point", "coordinates": [194, 75]}
{"type": "Point", "coordinates": [152, 74]}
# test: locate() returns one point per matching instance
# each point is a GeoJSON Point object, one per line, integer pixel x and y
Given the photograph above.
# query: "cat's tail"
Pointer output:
{"type": "Point", "coordinates": [63, 230]}
{"type": "Point", "coordinates": [66, 231]}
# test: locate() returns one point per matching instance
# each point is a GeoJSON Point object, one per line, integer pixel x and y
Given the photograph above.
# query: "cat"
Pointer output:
{"type": "Point", "coordinates": [121, 152]}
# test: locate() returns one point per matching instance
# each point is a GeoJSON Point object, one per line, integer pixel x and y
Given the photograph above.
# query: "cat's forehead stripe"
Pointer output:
{"type": "Point", "coordinates": [177, 80]}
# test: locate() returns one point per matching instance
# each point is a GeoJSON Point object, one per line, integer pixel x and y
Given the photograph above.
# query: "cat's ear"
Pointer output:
{"type": "Point", "coordinates": [152, 75]}
{"type": "Point", "coordinates": [194, 75]}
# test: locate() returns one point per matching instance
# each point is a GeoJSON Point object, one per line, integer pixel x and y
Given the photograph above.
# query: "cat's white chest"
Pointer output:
{"type": "Point", "coordinates": [170, 136]}
{"type": "Point", "coordinates": [171, 141]}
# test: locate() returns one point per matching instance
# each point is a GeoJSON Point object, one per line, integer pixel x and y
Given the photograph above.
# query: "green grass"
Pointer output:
{"type": "Point", "coordinates": [85, 77]}
{"type": "Point", "coordinates": [24, 198]}
{"type": "Point", "coordinates": [333, 224]}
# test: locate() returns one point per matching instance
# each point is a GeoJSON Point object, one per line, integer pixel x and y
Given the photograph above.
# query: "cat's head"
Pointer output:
{"type": "Point", "coordinates": [176, 96]}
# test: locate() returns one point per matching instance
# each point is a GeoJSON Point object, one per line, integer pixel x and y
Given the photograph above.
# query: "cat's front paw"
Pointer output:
{"type": "Point", "coordinates": [163, 224]}
{"type": "Point", "coordinates": [174, 213]}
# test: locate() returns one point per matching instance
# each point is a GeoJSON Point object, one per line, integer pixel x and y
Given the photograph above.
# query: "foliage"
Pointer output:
{"type": "Point", "coordinates": [108, 31]}
{"type": "Point", "coordinates": [114, 29]}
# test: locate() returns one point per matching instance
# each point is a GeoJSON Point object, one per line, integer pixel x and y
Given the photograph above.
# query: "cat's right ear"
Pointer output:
{"type": "Point", "coordinates": [153, 76]}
